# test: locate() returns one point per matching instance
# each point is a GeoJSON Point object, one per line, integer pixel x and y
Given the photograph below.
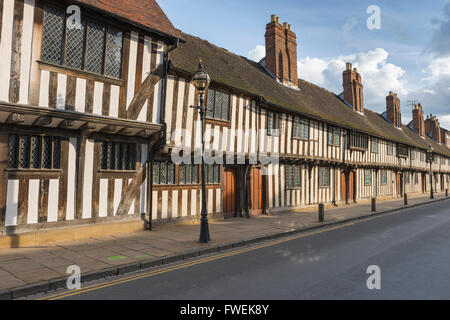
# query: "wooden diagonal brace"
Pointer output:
{"type": "Point", "coordinates": [142, 95]}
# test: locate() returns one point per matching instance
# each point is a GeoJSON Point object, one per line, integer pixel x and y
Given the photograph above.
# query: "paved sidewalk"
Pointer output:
{"type": "Point", "coordinates": [123, 253]}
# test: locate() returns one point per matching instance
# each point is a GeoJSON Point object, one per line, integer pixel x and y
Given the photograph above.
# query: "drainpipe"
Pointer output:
{"type": "Point", "coordinates": [162, 135]}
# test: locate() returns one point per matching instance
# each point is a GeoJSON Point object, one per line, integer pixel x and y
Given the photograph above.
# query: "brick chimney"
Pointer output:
{"type": "Point", "coordinates": [418, 120]}
{"type": "Point", "coordinates": [433, 128]}
{"type": "Point", "coordinates": [281, 51]}
{"type": "Point", "coordinates": [353, 88]}
{"type": "Point", "coordinates": [393, 110]}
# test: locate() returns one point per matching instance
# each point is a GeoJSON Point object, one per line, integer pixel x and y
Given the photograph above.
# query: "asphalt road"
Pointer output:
{"type": "Point", "coordinates": [412, 249]}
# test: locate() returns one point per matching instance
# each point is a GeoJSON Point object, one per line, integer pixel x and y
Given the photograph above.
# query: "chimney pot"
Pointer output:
{"type": "Point", "coordinates": [349, 66]}
{"type": "Point", "coordinates": [272, 18]}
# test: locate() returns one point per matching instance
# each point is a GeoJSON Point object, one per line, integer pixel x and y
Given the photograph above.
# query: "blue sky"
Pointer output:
{"type": "Point", "coordinates": [410, 54]}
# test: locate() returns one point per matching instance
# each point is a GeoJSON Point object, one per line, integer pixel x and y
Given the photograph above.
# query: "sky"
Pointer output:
{"type": "Point", "coordinates": [409, 54]}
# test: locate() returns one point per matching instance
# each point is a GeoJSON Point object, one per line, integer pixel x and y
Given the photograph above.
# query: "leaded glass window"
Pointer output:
{"type": "Point", "coordinates": [368, 177]}
{"type": "Point", "coordinates": [292, 177]}
{"type": "Point", "coordinates": [334, 136]}
{"type": "Point", "coordinates": [53, 34]}
{"type": "Point", "coordinates": [163, 173]}
{"type": "Point", "coordinates": [324, 177]}
{"type": "Point", "coordinates": [93, 47]}
{"type": "Point", "coordinates": [212, 174]}
{"type": "Point", "coordinates": [118, 156]}
{"type": "Point", "coordinates": [383, 177]}
{"type": "Point", "coordinates": [390, 148]}
{"type": "Point", "coordinates": [188, 174]}
{"type": "Point", "coordinates": [218, 105]}
{"type": "Point", "coordinates": [270, 123]}
{"type": "Point", "coordinates": [300, 128]}
{"type": "Point", "coordinates": [74, 56]}
{"type": "Point", "coordinates": [359, 141]}
{"type": "Point", "coordinates": [374, 146]}
{"type": "Point", "coordinates": [113, 52]}
{"type": "Point", "coordinates": [34, 152]}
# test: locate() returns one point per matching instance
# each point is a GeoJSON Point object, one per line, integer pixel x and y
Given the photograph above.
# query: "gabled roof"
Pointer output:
{"type": "Point", "coordinates": [144, 13]}
{"type": "Point", "coordinates": [243, 74]}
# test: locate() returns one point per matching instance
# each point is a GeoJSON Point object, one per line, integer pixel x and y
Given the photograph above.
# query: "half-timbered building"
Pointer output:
{"type": "Point", "coordinates": [94, 106]}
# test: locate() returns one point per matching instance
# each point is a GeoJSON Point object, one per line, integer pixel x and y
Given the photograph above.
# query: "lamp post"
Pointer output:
{"type": "Point", "coordinates": [201, 81]}
{"type": "Point", "coordinates": [430, 159]}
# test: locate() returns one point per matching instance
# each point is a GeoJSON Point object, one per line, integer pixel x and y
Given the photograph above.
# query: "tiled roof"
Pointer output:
{"type": "Point", "coordinates": [145, 13]}
{"type": "Point", "coordinates": [240, 73]}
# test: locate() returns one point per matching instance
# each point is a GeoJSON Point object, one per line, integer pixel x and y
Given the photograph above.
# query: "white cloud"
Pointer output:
{"type": "Point", "coordinates": [445, 121]}
{"type": "Point", "coordinates": [379, 76]}
{"type": "Point", "coordinates": [257, 53]}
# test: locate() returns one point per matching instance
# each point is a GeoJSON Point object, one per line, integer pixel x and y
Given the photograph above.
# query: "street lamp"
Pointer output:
{"type": "Point", "coordinates": [201, 81]}
{"type": "Point", "coordinates": [430, 159]}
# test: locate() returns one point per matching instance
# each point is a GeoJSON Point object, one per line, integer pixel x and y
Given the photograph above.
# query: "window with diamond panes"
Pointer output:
{"type": "Point", "coordinates": [293, 177]}
{"type": "Point", "coordinates": [118, 156]}
{"type": "Point", "coordinates": [188, 174]}
{"type": "Point", "coordinates": [212, 174]}
{"type": "Point", "coordinates": [34, 152]}
{"type": "Point", "coordinates": [218, 105]}
{"type": "Point", "coordinates": [93, 47]}
{"type": "Point", "coordinates": [163, 173]}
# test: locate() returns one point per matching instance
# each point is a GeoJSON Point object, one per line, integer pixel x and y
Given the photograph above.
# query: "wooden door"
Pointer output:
{"type": "Point", "coordinates": [229, 193]}
{"type": "Point", "coordinates": [352, 186]}
{"type": "Point", "coordinates": [399, 184]}
{"type": "Point", "coordinates": [424, 182]}
{"type": "Point", "coordinates": [442, 182]}
{"type": "Point", "coordinates": [256, 191]}
{"type": "Point", "coordinates": [344, 187]}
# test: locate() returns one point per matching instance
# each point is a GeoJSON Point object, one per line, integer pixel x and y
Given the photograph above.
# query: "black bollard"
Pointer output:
{"type": "Point", "coordinates": [374, 204]}
{"type": "Point", "coordinates": [321, 212]}
{"type": "Point", "coordinates": [446, 192]}
{"type": "Point", "coordinates": [405, 198]}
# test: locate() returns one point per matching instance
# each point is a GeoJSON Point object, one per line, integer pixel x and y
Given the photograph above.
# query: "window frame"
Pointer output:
{"type": "Point", "coordinates": [402, 150]}
{"type": "Point", "coordinates": [87, 17]}
{"type": "Point", "coordinates": [192, 181]}
{"type": "Point", "coordinates": [293, 177]}
{"type": "Point", "coordinates": [374, 145]}
{"type": "Point", "coordinates": [207, 174]}
{"type": "Point", "coordinates": [333, 134]}
{"type": "Point", "coordinates": [383, 177]}
{"type": "Point", "coordinates": [167, 164]}
{"type": "Point", "coordinates": [368, 173]}
{"type": "Point", "coordinates": [298, 128]}
{"type": "Point", "coordinates": [213, 118]}
{"type": "Point", "coordinates": [327, 182]}
{"type": "Point", "coordinates": [390, 148]}
{"type": "Point", "coordinates": [359, 141]}
{"type": "Point", "coordinates": [54, 140]}
{"type": "Point", "coordinates": [132, 156]}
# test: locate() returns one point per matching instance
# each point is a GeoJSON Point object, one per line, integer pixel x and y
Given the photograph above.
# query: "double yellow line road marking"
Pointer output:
{"type": "Point", "coordinates": [135, 277]}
